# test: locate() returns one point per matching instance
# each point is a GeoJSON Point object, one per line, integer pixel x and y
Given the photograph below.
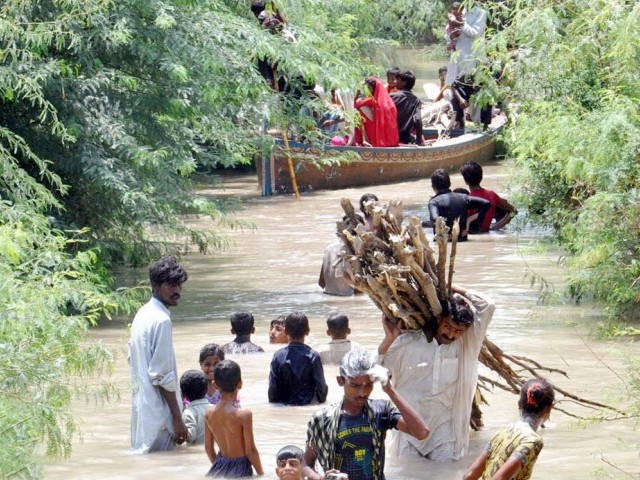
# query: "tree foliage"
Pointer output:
{"type": "Point", "coordinates": [107, 108]}
{"type": "Point", "coordinates": [572, 69]}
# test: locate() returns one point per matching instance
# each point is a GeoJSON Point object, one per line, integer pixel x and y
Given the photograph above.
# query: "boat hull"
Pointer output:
{"type": "Point", "coordinates": [370, 166]}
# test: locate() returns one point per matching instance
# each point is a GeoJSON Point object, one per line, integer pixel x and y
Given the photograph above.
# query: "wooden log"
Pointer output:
{"type": "Point", "coordinates": [452, 257]}
{"type": "Point", "coordinates": [442, 239]}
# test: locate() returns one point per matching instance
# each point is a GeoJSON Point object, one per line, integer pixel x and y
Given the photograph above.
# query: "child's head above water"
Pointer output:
{"type": "Point", "coordinates": [276, 330]}
{"type": "Point", "coordinates": [289, 463]}
{"type": "Point", "coordinates": [227, 376]}
{"type": "Point", "coordinates": [338, 326]}
{"type": "Point", "coordinates": [536, 397]}
{"type": "Point", "coordinates": [193, 385]}
{"type": "Point", "coordinates": [242, 324]}
{"type": "Point", "coordinates": [296, 325]}
{"type": "Point", "coordinates": [210, 355]}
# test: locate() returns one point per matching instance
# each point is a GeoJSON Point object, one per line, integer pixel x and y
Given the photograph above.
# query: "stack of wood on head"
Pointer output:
{"type": "Point", "coordinates": [402, 274]}
{"type": "Point", "coordinates": [395, 265]}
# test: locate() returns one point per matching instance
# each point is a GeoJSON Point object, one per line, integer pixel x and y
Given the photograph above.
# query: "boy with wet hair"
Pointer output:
{"type": "Point", "coordinates": [500, 208]}
{"type": "Point", "coordinates": [242, 326]}
{"type": "Point", "coordinates": [408, 107]}
{"type": "Point", "coordinates": [348, 437]}
{"type": "Point", "coordinates": [276, 330]}
{"type": "Point", "coordinates": [231, 428]}
{"type": "Point", "coordinates": [338, 329]}
{"type": "Point", "coordinates": [193, 385]}
{"type": "Point", "coordinates": [296, 375]}
{"type": "Point", "coordinates": [290, 463]}
{"type": "Point", "coordinates": [452, 205]}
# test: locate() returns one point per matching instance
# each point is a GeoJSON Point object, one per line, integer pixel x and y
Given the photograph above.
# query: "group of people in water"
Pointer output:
{"type": "Point", "coordinates": [428, 376]}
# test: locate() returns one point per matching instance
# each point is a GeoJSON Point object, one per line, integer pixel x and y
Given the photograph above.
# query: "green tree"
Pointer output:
{"type": "Point", "coordinates": [572, 73]}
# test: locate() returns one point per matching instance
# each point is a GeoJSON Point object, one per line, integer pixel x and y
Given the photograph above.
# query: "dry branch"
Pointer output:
{"type": "Point", "coordinates": [397, 267]}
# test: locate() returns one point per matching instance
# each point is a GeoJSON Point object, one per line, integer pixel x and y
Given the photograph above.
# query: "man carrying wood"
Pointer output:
{"type": "Point", "coordinates": [436, 371]}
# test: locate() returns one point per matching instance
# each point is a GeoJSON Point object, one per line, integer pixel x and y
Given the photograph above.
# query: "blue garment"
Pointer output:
{"type": "Point", "coordinates": [322, 433]}
{"type": "Point", "coordinates": [297, 376]}
{"type": "Point", "coordinates": [223, 467]}
{"type": "Point", "coordinates": [354, 455]}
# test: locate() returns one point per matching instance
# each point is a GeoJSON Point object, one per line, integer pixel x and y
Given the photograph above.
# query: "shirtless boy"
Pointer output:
{"type": "Point", "coordinates": [231, 428]}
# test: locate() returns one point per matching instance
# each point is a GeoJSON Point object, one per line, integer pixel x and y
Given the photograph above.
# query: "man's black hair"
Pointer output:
{"type": "Point", "coordinates": [242, 323]}
{"type": "Point", "coordinates": [193, 385]}
{"type": "Point", "coordinates": [440, 179]}
{"type": "Point", "coordinates": [458, 310]}
{"type": "Point", "coordinates": [408, 78]}
{"type": "Point", "coordinates": [472, 173]}
{"type": "Point", "coordinates": [167, 270]}
{"type": "Point", "coordinates": [227, 375]}
{"type": "Point", "coordinates": [338, 323]}
{"type": "Point", "coordinates": [296, 325]}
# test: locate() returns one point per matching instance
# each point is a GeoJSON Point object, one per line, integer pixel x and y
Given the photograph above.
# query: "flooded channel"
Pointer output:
{"type": "Point", "coordinates": [273, 270]}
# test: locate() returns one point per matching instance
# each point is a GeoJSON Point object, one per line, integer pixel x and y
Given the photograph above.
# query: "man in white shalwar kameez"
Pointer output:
{"type": "Point", "coordinates": [438, 375]}
{"type": "Point", "coordinates": [156, 404]}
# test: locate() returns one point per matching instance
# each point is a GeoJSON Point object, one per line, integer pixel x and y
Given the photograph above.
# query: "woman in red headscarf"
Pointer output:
{"type": "Point", "coordinates": [379, 118]}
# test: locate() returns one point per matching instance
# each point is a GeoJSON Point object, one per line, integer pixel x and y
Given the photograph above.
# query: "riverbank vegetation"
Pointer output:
{"type": "Point", "coordinates": [572, 71]}
{"type": "Point", "coordinates": [107, 108]}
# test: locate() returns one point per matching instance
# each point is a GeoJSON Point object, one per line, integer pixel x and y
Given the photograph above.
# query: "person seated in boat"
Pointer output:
{"type": "Point", "coordinates": [439, 113]}
{"type": "Point", "coordinates": [377, 125]}
{"type": "Point", "coordinates": [333, 119]}
{"type": "Point", "coordinates": [500, 210]}
{"type": "Point", "coordinates": [453, 206]}
{"type": "Point", "coordinates": [392, 79]}
{"type": "Point", "coordinates": [408, 108]}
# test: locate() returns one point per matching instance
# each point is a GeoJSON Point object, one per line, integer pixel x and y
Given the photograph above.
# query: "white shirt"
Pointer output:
{"type": "Point", "coordinates": [468, 52]}
{"type": "Point", "coordinates": [439, 382]}
{"type": "Point", "coordinates": [332, 352]}
{"type": "Point", "coordinates": [193, 418]}
{"type": "Point", "coordinates": [153, 364]}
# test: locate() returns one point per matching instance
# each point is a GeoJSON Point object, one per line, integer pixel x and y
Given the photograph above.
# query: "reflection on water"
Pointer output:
{"type": "Point", "coordinates": [274, 270]}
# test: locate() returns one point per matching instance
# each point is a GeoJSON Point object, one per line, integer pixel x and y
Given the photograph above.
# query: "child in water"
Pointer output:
{"type": "Point", "coordinates": [513, 451]}
{"type": "Point", "coordinates": [210, 355]}
{"type": "Point", "coordinates": [231, 428]}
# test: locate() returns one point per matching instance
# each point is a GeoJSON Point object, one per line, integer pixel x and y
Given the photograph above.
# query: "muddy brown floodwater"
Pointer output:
{"type": "Point", "coordinates": [274, 270]}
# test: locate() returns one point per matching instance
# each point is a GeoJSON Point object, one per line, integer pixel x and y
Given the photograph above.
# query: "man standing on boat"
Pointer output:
{"type": "Point", "coordinates": [464, 62]}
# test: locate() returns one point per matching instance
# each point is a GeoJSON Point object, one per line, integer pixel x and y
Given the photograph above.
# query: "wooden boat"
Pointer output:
{"type": "Point", "coordinates": [373, 165]}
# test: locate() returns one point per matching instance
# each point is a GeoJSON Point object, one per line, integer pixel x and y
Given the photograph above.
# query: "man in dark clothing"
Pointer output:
{"type": "Point", "coordinates": [296, 376]}
{"type": "Point", "coordinates": [452, 205]}
{"type": "Point", "coordinates": [408, 107]}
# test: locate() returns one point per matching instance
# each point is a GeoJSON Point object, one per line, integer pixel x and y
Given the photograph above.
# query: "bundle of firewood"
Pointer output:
{"type": "Point", "coordinates": [396, 266]}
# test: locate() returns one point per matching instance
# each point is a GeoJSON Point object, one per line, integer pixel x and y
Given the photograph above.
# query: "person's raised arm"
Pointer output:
{"type": "Point", "coordinates": [477, 467]}
{"type": "Point", "coordinates": [391, 332]}
{"type": "Point", "coordinates": [410, 422]}
{"type": "Point", "coordinates": [250, 449]}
